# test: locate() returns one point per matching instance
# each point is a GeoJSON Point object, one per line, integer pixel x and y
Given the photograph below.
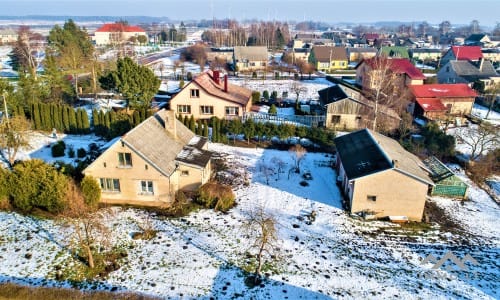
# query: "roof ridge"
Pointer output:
{"type": "Point", "coordinates": [386, 155]}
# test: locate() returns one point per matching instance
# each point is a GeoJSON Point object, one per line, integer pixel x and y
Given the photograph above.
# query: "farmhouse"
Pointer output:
{"type": "Point", "coordinates": [250, 58]}
{"type": "Point", "coordinates": [379, 178]}
{"type": "Point", "coordinates": [208, 95]}
{"type": "Point", "coordinates": [150, 163]}
{"type": "Point", "coordinates": [115, 33]}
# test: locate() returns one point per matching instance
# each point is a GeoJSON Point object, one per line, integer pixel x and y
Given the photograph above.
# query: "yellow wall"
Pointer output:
{"type": "Point", "coordinates": [397, 195]}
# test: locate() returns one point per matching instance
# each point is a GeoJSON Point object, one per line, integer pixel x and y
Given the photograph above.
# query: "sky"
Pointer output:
{"type": "Point", "coordinates": [487, 12]}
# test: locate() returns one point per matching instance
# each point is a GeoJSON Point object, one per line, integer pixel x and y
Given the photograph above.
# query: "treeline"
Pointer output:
{"type": "Point", "coordinates": [223, 129]}
{"type": "Point", "coordinates": [111, 124]}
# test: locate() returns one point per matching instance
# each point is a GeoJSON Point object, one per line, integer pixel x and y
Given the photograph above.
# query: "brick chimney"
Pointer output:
{"type": "Point", "coordinates": [171, 123]}
{"type": "Point", "coordinates": [225, 83]}
{"type": "Point", "coordinates": [216, 76]}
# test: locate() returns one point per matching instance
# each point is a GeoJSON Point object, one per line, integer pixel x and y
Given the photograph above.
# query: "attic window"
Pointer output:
{"type": "Point", "coordinates": [371, 198]}
{"type": "Point", "coordinates": [195, 93]}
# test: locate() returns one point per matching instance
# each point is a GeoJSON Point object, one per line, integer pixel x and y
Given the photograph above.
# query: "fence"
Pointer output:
{"type": "Point", "coordinates": [311, 121]}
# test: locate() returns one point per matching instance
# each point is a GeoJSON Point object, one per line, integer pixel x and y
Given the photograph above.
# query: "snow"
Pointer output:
{"type": "Point", "coordinates": [481, 112]}
{"type": "Point", "coordinates": [201, 256]}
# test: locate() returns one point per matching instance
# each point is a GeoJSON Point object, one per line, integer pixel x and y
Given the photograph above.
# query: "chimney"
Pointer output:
{"type": "Point", "coordinates": [225, 83]}
{"type": "Point", "coordinates": [215, 76]}
{"type": "Point", "coordinates": [171, 123]}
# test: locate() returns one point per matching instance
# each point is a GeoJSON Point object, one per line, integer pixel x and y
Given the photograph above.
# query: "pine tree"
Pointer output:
{"type": "Point", "coordinates": [205, 128]}
{"type": "Point", "coordinates": [199, 128]}
{"type": "Point", "coordinates": [107, 124]}
{"type": "Point", "coordinates": [85, 121]}
{"type": "Point", "coordinates": [36, 116]}
{"type": "Point", "coordinates": [73, 128]}
{"type": "Point", "coordinates": [185, 121]}
{"type": "Point", "coordinates": [65, 119]}
{"type": "Point", "coordinates": [79, 125]}
{"type": "Point", "coordinates": [192, 124]}
{"type": "Point", "coordinates": [136, 118]}
{"type": "Point", "coordinates": [95, 118]}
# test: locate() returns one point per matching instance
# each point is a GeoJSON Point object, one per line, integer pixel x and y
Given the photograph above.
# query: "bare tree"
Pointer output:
{"type": "Point", "coordinates": [26, 49]}
{"type": "Point", "coordinates": [13, 136]}
{"type": "Point", "coordinates": [265, 170]}
{"type": "Point", "coordinates": [280, 164]}
{"type": "Point", "coordinates": [492, 93]}
{"type": "Point", "coordinates": [261, 225]}
{"type": "Point", "coordinates": [297, 88]}
{"type": "Point", "coordinates": [481, 139]}
{"type": "Point", "coordinates": [297, 152]}
{"type": "Point", "coordinates": [89, 230]}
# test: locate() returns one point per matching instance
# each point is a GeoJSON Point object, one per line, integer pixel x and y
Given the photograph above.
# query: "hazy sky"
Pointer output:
{"type": "Point", "coordinates": [487, 12]}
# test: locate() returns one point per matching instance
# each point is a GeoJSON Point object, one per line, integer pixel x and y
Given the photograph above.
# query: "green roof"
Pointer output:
{"type": "Point", "coordinates": [396, 51]}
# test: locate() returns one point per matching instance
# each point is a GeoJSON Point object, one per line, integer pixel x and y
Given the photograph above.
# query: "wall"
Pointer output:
{"type": "Point", "coordinates": [397, 195]}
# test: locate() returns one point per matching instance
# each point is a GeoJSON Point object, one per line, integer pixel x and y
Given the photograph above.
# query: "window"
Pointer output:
{"type": "Point", "coordinates": [146, 187]}
{"type": "Point", "coordinates": [371, 198]}
{"type": "Point", "coordinates": [110, 184]}
{"type": "Point", "coordinates": [184, 173]}
{"type": "Point", "coordinates": [335, 119]}
{"type": "Point", "coordinates": [448, 69]}
{"type": "Point", "coordinates": [184, 109]}
{"type": "Point", "coordinates": [145, 167]}
{"type": "Point", "coordinates": [124, 159]}
{"type": "Point", "coordinates": [231, 110]}
{"type": "Point", "coordinates": [195, 93]}
{"type": "Point", "coordinates": [206, 110]}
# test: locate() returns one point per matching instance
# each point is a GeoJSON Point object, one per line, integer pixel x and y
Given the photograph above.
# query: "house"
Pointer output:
{"type": "Point", "coordinates": [379, 178]}
{"type": "Point", "coordinates": [439, 102]}
{"type": "Point", "coordinates": [250, 58]}
{"type": "Point", "coordinates": [482, 40]}
{"type": "Point", "coordinates": [463, 71]}
{"type": "Point", "coordinates": [492, 55]}
{"type": "Point", "coordinates": [358, 54]}
{"type": "Point", "coordinates": [347, 109]}
{"type": "Point", "coordinates": [208, 95]}
{"type": "Point", "coordinates": [223, 55]}
{"type": "Point", "coordinates": [425, 54]}
{"type": "Point", "coordinates": [298, 54]}
{"type": "Point", "coordinates": [151, 162]}
{"type": "Point", "coordinates": [8, 36]}
{"type": "Point", "coordinates": [327, 58]}
{"type": "Point", "coordinates": [470, 53]}
{"type": "Point", "coordinates": [446, 183]}
{"type": "Point", "coordinates": [405, 72]}
{"type": "Point", "coordinates": [115, 33]}
{"type": "Point", "coordinates": [370, 38]}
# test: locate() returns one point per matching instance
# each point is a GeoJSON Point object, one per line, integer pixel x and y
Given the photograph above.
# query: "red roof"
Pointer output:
{"type": "Point", "coordinates": [371, 36]}
{"type": "Point", "coordinates": [431, 104]}
{"type": "Point", "coordinates": [399, 66]}
{"type": "Point", "coordinates": [467, 52]}
{"type": "Point", "coordinates": [442, 90]}
{"type": "Point", "coordinates": [118, 27]}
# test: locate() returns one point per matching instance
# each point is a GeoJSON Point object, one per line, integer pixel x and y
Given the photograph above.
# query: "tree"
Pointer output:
{"type": "Point", "coordinates": [273, 110]}
{"type": "Point", "coordinates": [444, 27]}
{"type": "Point", "coordinates": [13, 136]}
{"type": "Point", "coordinates": [25, 52]}
{"type": "Point", "coordinates": [297, 152]}
{"type": "Point", "coordinates": [297, 88]}
{"type": "Point", "coordinates": [492, 94]}
{"type": "Point", "coordinates": [195, 53]}
{"type": "Point", "coordinates": [480, 139]}
{"type": "Point", "coordinates": [255, 97]}
{"type": "Point", "coordinates": [249, 129]}
{"type": "Point", "coordinates": [142, 39]}
{"type": "Point", "coordinates": [138, 84]}
{"type": "Point", "coordinates": [261, 225]}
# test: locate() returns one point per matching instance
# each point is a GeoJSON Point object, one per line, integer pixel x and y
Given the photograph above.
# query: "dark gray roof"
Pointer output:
{"type": "Point", "coordinates": [476, 37]}
{"type": "Point", "coordinates": [465, 69]}
{"type": "Point", "coordinates": [251, 53]}
{"type": "Point", "coordinates": [365, 152]}
{"type": "Point", "coordinates": [331, 94]}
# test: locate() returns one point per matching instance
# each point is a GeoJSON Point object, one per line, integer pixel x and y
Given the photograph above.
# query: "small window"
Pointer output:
{"type": "Point", "coordinates": [195, 93]}
{"type": "Point", "coordinates": [231, 110]}
{"type": "Point", "coordinates": [124, 159]}
{"type": "Point", "coordinates": [206, 110]}
{"type": "Point", "coordinates": [104, 165]}
{"type": "Point", "coordinates": [146, 187]}
{"type": "Point", "coordinates": [184, 173]}
{"type": "Point", "coordinates": [335, 119]}
{"type": "Point", "coordinates": [145, 167]}
{"type": "Point", "coordinates": [184, 109]}
{"type": "Point", "coordinates": [371, 198]}
{"type": "Point", "coordinates": [110, 184]}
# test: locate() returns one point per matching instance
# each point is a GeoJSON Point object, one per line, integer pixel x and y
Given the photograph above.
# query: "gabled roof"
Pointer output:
{"type": "Point", "coordinates": [442, 90]}
{"type": "Point", "coordinates": [235, 93]}
{"type": "Point", "coordinates": [324, 53]}
{"type": "Point", "coordinates": [397, 65]}
{"type": "Point", "coordinates": [119, 27]}
{"type": "Point", "coordinates": [431, 104]}
{"type": "Point", "coordinates": [464, 68]}
{"type": "Point", "coordinates": [158, 145]}
{"type": "Point", "coordinates": [251, 53]}
{"type": "Point", "coordinates": [467, 52]}
{"type": "Point", "coordinates": [365, 152]}
{"type": "Point", "coordinates": [331, 94]}
{"type": "Point", "coordinates": [476, 37]}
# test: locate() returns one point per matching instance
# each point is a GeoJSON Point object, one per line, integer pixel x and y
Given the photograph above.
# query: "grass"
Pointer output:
{"type": "Point", "coordinates": [10, 291]}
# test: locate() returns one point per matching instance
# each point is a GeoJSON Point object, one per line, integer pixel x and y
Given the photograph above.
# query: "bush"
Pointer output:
{"type": "Point", "coordinates": [71, 151]}
{"type": "Point", "coordinates": [4, 188]}
{"type": "Point", "coordinates": [255, 97]}
{"type": "Point", "coordinates": [265, 94]}
{"type": "Point", "coordinates": [91, 191]}
{"type": "Point", "coordinates": [58, 149]}
{"type": "Point", "coordinates": [217, 196]}
{"type": "Point", "coordinates": [81, 153]}
{"type": "Point", "coordinates": [35, 184]}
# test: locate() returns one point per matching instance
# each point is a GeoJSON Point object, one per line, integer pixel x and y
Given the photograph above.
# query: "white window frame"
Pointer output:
{"type": "Point", "coordinates": [146, 187]}
{"type": "Point", "coordinates": [110, 185]}
{"type": "Point", "coordinates": [232, 110]}
{"type": "Point", "coordinates": [184, 109]}
{"type": "Point", "coordinates": [122, 159]}
{"type": "Point", "coordinates": [203, 109]}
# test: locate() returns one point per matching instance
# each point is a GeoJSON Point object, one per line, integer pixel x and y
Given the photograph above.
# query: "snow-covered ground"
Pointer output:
{"type": "Point", "coordinates": [481, 112]}
{"type": "Point", "coordinates": [202, 255]}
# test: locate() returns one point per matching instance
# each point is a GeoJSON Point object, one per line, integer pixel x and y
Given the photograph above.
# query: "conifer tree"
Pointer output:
{"type": "Point", "coordinates": [192, 124]}
{"type": "Point", "coordinates": [79, 125]}
{"type": "Point", "coordinates": [205, 128]}
{"type": "Point", "coordinates": [95, 118]}
{"type": "Point", "coordinates": [35, 112]}
{"type": "Point", "coordinates": [136, 118]}
{"type": "Point", "coordinates": [65, 119]}
{"type": "Point", "coordinates": [185, 121]}
{"type": "Point", "coordinates": [73, 128]}
{"type": "Point", "coordinates": [85, 121]}
{"type": "Point", "coordinates": [199, 128]}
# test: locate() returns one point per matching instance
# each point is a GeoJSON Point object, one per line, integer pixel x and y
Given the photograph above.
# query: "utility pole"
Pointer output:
{"type": "Point", "coordinates": [5, 109]}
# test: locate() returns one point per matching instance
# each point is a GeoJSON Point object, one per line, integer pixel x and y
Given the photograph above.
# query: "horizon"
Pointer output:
{"type": "Point", "coordinates": [404, 11]}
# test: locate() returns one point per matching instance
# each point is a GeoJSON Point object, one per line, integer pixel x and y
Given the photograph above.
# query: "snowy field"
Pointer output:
{"type": "Point", "coordinates": [202, 256]}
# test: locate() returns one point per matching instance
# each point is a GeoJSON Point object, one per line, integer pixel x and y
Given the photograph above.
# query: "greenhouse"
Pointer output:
{"type": "Point", "coordinates": [447, 184]}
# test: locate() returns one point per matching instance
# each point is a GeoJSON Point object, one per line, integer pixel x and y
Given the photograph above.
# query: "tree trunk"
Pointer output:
{"type": "Point", "coordinates": [258, 269]}
{"type": "Point", "coordinates": [90, 257]}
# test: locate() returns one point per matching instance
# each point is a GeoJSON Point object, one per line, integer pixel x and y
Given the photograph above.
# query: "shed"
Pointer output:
{"type": "Point", "coordinates": [447, 184]}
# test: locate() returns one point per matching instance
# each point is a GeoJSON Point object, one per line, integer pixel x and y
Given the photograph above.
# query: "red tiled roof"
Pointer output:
{"type": "Point", "coordinates": [117, 27]}
{"type": "Point", "coordinates": [431, 104]}
{"type": "Point", "coordinates": [398, 65]}
{"type": "Point", "coordinates": [235, 93]}
{"type": "Point", "coordinates": [371, 36]}
{"type": "Point", "coordinates": [467, 52]}
{"type": "Point", "coordinates": [442, 90]}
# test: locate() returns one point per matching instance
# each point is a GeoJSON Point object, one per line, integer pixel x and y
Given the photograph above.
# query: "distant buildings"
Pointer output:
{"type": "Point", "coordinates": [115, 33]}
